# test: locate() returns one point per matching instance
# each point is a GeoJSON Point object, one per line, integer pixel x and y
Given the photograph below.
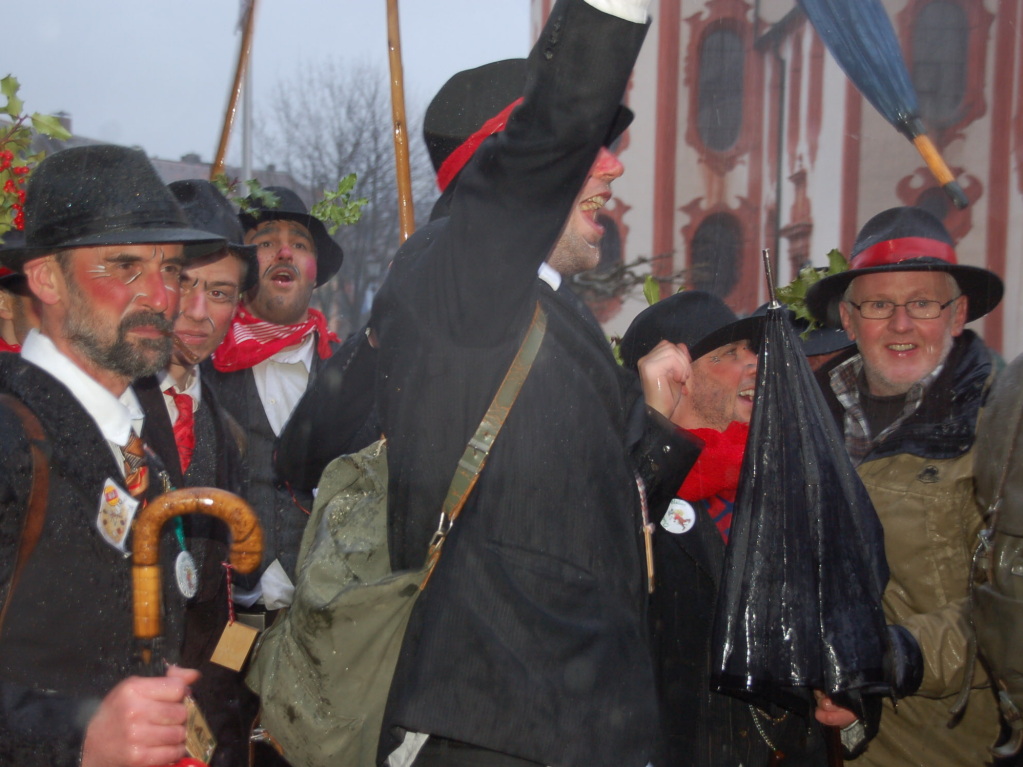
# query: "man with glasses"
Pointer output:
{"type": "Point", "coordinates": [906, 399]}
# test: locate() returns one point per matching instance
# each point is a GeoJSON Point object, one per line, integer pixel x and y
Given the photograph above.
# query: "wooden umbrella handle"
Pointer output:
{"type": "Point", "coordinates": [941, 172]}
{"type": "Point", "coordinates": [246, 550]}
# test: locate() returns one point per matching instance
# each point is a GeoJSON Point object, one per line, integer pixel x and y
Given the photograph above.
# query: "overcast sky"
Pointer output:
{"type": "Point", "coordinates": [157, 74]}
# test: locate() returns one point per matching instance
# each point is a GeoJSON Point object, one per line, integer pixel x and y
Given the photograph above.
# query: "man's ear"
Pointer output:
{"type": "Point", "coordinates": [6, 306]}
{"type": "Point", "coordinates": [843, 312]}
{"type": "Point", "coordinates": [46, 279]}
{"type": "Point", "coordinates": [959, 312]}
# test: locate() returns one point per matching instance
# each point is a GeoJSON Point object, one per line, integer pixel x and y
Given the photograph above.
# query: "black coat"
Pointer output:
{"type": "Point", "coordinates": [704, 728]}
{"type": "Point", "coordinates": [68, 638]}
{"type": "Point", "coordinates": [530, 639]}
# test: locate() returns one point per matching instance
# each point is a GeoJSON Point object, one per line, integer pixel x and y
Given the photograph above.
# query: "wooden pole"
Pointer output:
{"type": "Point", "coordinates": [406, 211]}
{"type": "Point", "coordinates": [232, 102]}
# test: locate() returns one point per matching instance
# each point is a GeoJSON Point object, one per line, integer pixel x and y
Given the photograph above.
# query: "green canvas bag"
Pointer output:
{"type": "Point", "coordinates": [323, 670]}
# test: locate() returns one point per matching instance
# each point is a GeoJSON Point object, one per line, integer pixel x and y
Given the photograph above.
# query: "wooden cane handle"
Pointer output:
{"type": "Point", "coordinates": [246, 550]}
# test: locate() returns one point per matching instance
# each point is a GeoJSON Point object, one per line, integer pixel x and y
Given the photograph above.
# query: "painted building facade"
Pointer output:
{"type": "Point", "coordinates": [748, 135]}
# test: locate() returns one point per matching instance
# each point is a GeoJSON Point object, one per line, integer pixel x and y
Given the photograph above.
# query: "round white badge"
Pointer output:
{"type": "Point", "coordinates": [680, 517]}
{"type": "Point", "coordinates": [186, 574]}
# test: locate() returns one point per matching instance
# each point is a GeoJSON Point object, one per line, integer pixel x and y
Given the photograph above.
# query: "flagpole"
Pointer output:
{"type": "Point", "coordinates": [239, 77]}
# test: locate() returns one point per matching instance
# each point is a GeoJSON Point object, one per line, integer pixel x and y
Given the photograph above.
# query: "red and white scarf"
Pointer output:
{"type": "Point", "coordinates": [251, 340]}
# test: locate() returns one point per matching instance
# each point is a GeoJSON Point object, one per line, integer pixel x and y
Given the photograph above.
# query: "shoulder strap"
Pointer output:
{"type": "Point", "coordinates": [476, 451]}
{"type": "Point", "coordinates": [32, 527]}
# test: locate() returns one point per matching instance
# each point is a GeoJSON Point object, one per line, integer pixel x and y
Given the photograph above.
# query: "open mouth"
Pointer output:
{"type": "Point", "coordinates": [589, 208]}
{"type": "Point", "coordinates": [901, 347]}
{"type": "Point", "coordinates": [282, 274]}
{"type": "Point", "coordinates": [746, 394]}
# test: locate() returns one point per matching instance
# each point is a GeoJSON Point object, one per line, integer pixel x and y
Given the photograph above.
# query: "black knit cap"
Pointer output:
{"type": "Point", "coordinates": [290, 207]}
{"type": "Point", "coordinates": [907, 239]}
{"type": "Point", "coordinates": [208, 209]}
{"type": "Point", "coordinates": [101, 195]}
{"type": "Point", "coordinates": [700, 320]}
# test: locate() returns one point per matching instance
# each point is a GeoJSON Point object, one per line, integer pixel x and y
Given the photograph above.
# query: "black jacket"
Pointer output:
{"type": "Point", "coordinates": [68, 638]}
{"type": "Point", "coordinates": [530, 639]}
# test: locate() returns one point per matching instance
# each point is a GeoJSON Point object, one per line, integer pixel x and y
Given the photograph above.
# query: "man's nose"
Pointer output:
{"type": "Point", "coordinates": [156, 294]}
{"type": "Point", "coordinates": [193, 304]}
{"type": "Point", "coordinates": [607, 165]}
{"type": "Point", "coordinates": [284, 252]}
{"type": "Point", "coordinates": [900, 319]}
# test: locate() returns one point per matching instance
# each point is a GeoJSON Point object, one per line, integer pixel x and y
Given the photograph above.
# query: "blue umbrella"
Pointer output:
{"type": "Point", "coordinates": [860, 37]}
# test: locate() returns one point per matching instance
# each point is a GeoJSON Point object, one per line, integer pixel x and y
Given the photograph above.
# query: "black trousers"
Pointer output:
{"type": "Point", "coordinates": [441, 752]}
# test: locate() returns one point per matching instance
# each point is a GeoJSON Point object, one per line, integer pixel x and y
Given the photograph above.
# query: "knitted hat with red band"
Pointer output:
{"type": "Point", "coordinates": [907, 239]}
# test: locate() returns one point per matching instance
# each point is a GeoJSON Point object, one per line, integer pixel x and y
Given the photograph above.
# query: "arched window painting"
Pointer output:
{"type": "Point", "coordinates": [719, 115]}
{"type": "Point", "coordinates": [939, 61]}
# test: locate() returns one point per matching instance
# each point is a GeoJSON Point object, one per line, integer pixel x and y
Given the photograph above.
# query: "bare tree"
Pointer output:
{"type": "Point", "coordinates": [334, 120]}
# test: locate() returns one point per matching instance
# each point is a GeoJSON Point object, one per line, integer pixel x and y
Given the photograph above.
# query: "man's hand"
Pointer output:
{"type": "Point", "coordinates": [831, 714]}
{"type": "Point", "coordinates": [664, 371]}
{"type": "Point", "coordinates": [140, 723]}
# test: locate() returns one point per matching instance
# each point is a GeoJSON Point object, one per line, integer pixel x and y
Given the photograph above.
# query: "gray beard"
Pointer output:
{"type": "Point", "coordinates": [143, 357]}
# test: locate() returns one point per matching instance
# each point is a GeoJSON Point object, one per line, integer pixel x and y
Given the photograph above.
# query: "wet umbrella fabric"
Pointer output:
{"type": "Point", "coordinates": [860, 36]}
{"type": "Point", "coordinates": [800, 600]}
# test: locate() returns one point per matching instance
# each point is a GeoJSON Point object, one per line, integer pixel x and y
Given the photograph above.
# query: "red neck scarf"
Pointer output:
{"type": "Point", "coordinates": [717, 469]}
{"type": "Point", "coordinates": [249, 340]}
{"type": "Point", "coordinates": [6, 347]}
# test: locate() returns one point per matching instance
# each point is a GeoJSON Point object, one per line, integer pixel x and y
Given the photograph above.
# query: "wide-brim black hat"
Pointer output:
{"type": "Point", "coordinates": [207, 209]}
{"type": "Point", "coordinates": [907, 239]}
{"type": "Point", "coordinates": [472, 97]}
{"type": "Point", "coordinates": [101, 195]}
{"type": "Point", "coordinates": [290, 207]}
{"type": "Point", "coordinates": [820, 340]}
{"type": "Point", "coordinates": [700, 320]}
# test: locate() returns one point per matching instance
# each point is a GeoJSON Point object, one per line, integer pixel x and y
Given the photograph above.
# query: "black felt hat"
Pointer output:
{"type": "Point", "coordinates": [695, 318]}
{"type": "Point", "coordinates": [820, 340]}
{"type": "Point", "coordinates": [291, 208]}
{"type": "Point", "coordinates": [208, 209]}
{"type": "Point", "coordinates": [907, 239]}
{"type": "Point", "coordinates": [101, 195]}
{"type": "Point", "coordinates": [472, 97]}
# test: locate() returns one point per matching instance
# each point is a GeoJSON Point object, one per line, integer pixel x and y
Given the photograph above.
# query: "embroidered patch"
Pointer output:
{"type": "Point", "coordinates": [116, 511]}
{"type": "Point", "coordinates": [680, 517]}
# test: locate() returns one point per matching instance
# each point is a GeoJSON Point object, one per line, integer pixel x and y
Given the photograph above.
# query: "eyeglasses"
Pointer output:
{"type": "Point", "coordinates": [917, 310]}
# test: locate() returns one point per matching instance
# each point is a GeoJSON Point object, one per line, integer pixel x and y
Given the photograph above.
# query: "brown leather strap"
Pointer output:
{"type": "Point", "coordinates": [32, 527]}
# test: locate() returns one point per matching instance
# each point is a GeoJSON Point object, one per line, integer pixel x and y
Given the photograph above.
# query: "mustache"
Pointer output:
{"type": "Point", "coordinates": [147, 319]}
{"type": "Point", "coordinates": [291, 268]}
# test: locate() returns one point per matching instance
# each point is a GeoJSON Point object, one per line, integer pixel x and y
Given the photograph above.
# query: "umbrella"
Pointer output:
{"type": "Point", "coordinates": [799, 607]}
{"type": "Point", "coordinates": [860, 37]}
{"type": "Point", "coordinates": [245, 555]}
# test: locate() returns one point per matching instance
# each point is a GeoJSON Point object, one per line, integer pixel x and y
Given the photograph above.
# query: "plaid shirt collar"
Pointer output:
{"type": "Point", "coordinates": [845, 383]}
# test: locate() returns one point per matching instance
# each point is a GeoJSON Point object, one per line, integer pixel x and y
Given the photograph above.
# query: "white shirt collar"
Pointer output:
{"type": "Point", "coordinates": [302, 353]}
{"type": "Point", "coordinates": [114, 416]}
{"type": "Point", "coordinates": [550, 275]}
{"type": "Point", "coordinates": [192, 387]}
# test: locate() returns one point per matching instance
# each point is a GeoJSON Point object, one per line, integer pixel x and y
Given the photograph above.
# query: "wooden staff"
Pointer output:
{"type": "Point", "coordinates": [406, 212]}
{"type": "Point", "coordinates": [239, 77]}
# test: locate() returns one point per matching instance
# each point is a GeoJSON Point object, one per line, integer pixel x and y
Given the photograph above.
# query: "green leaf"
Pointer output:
{"type": "Point", "coordinates": [337, 208]}
{"type": "Point", "coordinates": [651, 290]}
{"type": "Point", "coordinates": [51, 126]}
{"type": "Point", "coordinates": [836, 262]}
{"type": "Point", "coordinates": [9, 88]}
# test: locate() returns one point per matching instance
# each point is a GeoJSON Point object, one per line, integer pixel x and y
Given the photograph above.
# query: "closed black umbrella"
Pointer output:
{"type": "Point", "coordinates": [799, 607]}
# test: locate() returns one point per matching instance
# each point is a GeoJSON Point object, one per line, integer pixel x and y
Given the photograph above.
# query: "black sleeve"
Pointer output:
{"type": "Point", "coordinates": [42, 729]}
{"type": "Point", "coordinates": [663, 454]}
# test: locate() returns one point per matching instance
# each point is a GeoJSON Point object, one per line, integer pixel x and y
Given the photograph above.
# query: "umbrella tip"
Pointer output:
{"type": "Point", "coordinates": [765, 254]}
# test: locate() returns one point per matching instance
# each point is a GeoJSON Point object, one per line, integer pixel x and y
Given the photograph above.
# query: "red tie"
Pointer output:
{"type": "Point", "coordinates": [184, 427]}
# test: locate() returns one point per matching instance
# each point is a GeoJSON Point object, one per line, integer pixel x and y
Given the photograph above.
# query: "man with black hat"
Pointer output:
{"type": "Point", "coordinates": [907, 400]}
{"type": "Point", "coordinates": [271, 354]}
{"type": "Point", "coordinates": [704, 728]}
{"type": "Point", "coordinates": [202, 445]}
{"type": "Point", "coordinates": [528, 645]}
{"type": "Point", "coordinates": [105, 243]}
